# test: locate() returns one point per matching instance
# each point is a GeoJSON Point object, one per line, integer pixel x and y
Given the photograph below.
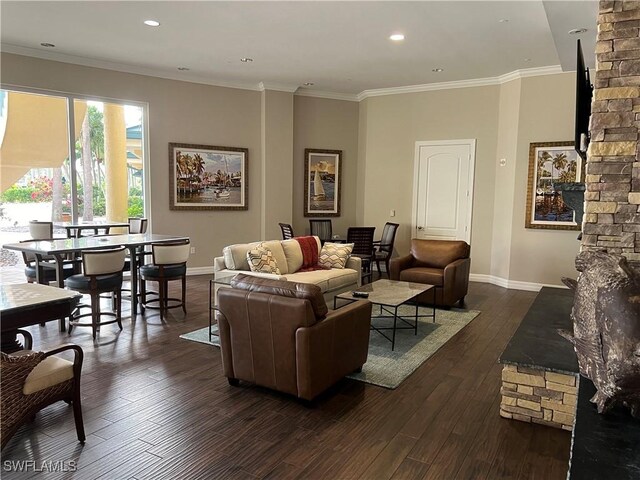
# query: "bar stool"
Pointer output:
{"type": "Point", "coordinates": [102, 273]}
{"type": "Point", "coordinates": [169, 263]}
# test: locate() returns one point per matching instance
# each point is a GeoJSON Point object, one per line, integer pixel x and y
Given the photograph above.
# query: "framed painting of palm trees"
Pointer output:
{"type": "Point", "coordinates": [551, 164]}
{"type": "Point", "coordinates": [204, 177]}
{"type": "Point", "coordinates": [322, 182]}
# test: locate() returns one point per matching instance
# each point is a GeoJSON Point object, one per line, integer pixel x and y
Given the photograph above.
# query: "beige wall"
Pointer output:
{"type": "Point", "coordinates": [547, 109]}
{"type": "Point", "coordinates": [332, 125]}
{"type": "Point", "coordinates": [277, 161]}
{"type": "Point", "coordinates": [504, 119]}
{"type": "Point", "coordinates": [395, 122]}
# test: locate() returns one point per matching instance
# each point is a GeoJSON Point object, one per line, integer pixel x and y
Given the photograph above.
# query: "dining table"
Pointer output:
{"type": "Point", "coordinates": [26, 304]}
{"type": "Point", "coordinates": [59, 249]}
{"type": "Point", "coordinates": [76, 229]}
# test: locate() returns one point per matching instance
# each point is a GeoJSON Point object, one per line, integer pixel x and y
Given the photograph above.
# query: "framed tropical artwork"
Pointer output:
{"type": "Point", "coordinates": [323, 180]}
{"type": "Point", "coordinates": [204, 177]}
{"type": "Point", "coordinates": [550, 164]}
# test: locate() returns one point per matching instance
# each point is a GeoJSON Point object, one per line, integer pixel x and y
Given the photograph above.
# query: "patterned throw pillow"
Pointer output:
{"type": "Point", "coordinates": [261, 260]}
{"type": "Point", "coordinates": [335, 255]}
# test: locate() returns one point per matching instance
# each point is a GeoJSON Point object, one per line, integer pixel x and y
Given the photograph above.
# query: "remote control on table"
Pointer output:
{"type": "Point", "coordinates": [360, 294]}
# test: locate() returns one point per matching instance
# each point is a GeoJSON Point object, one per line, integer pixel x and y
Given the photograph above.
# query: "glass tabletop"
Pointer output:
{"type": "Point", "coordinates": [15, 296]}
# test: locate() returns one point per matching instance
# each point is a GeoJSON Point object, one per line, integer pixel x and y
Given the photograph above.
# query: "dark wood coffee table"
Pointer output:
{"type": "Point", "coordinates": [390, 295]}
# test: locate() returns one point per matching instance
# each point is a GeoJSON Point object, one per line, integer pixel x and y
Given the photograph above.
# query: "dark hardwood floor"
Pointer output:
{"type": "Point", "coordinates": [156, 406]}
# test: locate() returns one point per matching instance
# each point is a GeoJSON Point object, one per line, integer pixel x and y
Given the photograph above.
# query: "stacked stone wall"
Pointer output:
{"type": "Point", "coordinates": [538, 396]}
{"type": "Point", "coordinates": [612, 208]}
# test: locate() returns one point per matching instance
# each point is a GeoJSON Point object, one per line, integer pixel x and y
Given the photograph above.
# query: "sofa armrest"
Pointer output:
{"type": "Point", "coordinates": [456, 280]}
{"type": "Point", "coordinates": [398, 264]}
{"type": "Point", "coordinates": [218, 264]}
{"type": "Point", "coordinates": [355, 263]}
{"type": "Point", "coordinates": [332, 348]}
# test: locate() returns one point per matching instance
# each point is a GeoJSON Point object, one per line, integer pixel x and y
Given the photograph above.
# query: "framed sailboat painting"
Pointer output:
{"type": "Point", "coordinates": [323, 180]}
{"type": "Point", "coordinates": [204, 177]}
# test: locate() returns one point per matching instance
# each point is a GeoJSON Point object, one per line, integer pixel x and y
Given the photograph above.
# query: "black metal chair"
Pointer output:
{"type": "Point", "coordinates": [102, 273]}
{"type": "Point", "coordinates": [362, 239]}
{"type": "Point", "coordinates": [287, 231]}
{"type": "Point", "coordinates": [169, 263]}
{"type": "Point", "coordinates": [321, 229]}
{"type": "Point", "coordinates": [384, 246]}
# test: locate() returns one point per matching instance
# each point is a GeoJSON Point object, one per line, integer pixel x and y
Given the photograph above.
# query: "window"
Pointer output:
{"type": "Point", "coordinates": [96, 173]}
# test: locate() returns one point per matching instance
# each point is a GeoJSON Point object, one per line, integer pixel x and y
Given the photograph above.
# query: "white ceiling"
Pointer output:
{"type": "Point", "coordinates": [341, 47]}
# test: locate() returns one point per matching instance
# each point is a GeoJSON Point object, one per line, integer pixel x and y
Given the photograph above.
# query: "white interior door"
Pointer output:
{"type": "Point", "coordinates": [443, 190]}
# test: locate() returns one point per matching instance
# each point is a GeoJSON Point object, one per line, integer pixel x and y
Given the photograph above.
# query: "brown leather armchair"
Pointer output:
{"type": "Point", "coordinates": [281, 335]}
{"type": "Point", "coordinates": [443, 263]}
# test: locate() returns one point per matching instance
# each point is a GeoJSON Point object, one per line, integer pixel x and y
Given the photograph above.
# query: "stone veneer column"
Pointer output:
{"type": "Point", "coordinates": [612, 209]}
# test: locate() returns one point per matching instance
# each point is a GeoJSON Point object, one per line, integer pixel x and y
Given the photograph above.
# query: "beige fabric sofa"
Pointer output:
{"type": "Point", "coordinates": [288, 255]}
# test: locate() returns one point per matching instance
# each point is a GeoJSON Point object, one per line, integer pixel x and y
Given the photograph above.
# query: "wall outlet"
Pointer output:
{"type": "Point", "coordinates": [193, 250]}
{"type": "Point", "coordinates": [392, 213]}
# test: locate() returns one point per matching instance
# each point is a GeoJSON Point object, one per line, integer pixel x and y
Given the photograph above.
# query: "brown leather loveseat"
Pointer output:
{"type": "Point", "coordinates": [444, 263]}
{"type": "Point", "coordinates": [281, 335]}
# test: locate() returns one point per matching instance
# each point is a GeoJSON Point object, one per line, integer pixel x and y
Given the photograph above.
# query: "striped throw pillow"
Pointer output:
{"type": "Point", "coordinates": [261, 260]}
{"type": "Point", "coordinates": [335, 255]}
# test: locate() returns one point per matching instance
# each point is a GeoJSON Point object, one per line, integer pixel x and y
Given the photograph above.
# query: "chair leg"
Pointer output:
{"type": "Point", "coordinates": [378, 268]}
{"type": "Point", "coordinates": [184, 294]}
{"type": "Point", "coordinates": [95, 312]}
{"type": "Point", "coordinates": [161, 294]}
{"type": "Point", "coordinates": [118, 297]}
{"type": "Point", "coordinates": [77, 415]}
{"type": "Point", "coordinates": [143, 294]}
{"type": "Point", "coordinates": [386, 265]}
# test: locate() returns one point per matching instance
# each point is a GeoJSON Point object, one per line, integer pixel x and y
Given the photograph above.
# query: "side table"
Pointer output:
{"type": "Point", "coordinates": [214, 284]}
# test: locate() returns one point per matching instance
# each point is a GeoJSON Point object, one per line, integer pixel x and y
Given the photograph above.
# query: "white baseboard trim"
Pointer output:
{"type": "Point", "coordinates": [511, 284]}
{"type": "Point", "coordinates": [200, 270]}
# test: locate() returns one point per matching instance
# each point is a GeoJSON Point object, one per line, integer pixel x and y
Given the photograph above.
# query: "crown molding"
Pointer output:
{"type": "Point", "coordinates": [282, 87]}
{"type": "Point", "coordinates": [121, 67]}
{"type": "Point", "coordinates": [350, 97]}
{"type": "Point", "coordinates": [476, 82]}
{"type": "Point", "coordinates": [279, 87]}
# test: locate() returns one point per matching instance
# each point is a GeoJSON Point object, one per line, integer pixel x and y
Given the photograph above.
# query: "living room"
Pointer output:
{"type": "Point", "coordinates": [507, 86]}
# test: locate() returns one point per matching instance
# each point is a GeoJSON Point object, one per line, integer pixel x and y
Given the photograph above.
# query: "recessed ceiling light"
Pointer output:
{"type": "Point", "coordinates": [577, 31]}
{"type": "Point", "coordinates": [246, 59]}
{"type": "Point", "coordinates": [396, 37]}
{"type": "Point", "coordinates": [48, 45]}
{"type": "Point", "coordinates": [308, 84]}
{"type": "Point", "coordinates": [438, 70]}
{"type": "Point", "coordinates": [183, 69]}
{"type": "Point", "coordinates": [152, 23]}
{"type": "Point", "coordinates": [503, 20]}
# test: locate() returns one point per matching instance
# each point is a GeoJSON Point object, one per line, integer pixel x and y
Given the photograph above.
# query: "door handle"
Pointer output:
{"type": "Point", "coordinates": [419, 228]}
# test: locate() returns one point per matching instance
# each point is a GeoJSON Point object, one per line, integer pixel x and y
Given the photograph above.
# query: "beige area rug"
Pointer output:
{"type": "Point", "coordinates": [387, 368]}
{"type": "Point", "coordinates": [384, 367]}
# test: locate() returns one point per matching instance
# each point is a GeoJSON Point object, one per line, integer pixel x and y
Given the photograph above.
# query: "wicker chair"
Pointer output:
{"type": "Point", "coordinates": [31, 381]}
{"type": "Point", "coordinates": [362, 239]}
{"type": "Point", "coordinates": [287, 231]}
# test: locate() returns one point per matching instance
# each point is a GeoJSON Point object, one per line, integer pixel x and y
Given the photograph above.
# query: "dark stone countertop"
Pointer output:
{"type": "Point", "coordinates": [603, 446]}
{"type": "Point", "coordinates": [536, 343]}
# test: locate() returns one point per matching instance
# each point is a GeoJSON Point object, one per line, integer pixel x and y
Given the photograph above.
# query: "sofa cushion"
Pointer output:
{"type": "Point", "coordinates": [342, 278]}
{"type": "Point", "coordinates": [235, 256]}
{"type": "Point", "coordinates": [261, 260]}
{"type": "Point", "coordinates": [438, 253]}
{"type": "Point", "coordinates": [335, 255]}
{"type": "Point", "coordinates": [293, 253]}
{"type": "Point", "coordinates": [315, 277]}
{"type": "Point", "coordinates": [305, 291]}
{"type": "Point", "coordinates": [430, 276]}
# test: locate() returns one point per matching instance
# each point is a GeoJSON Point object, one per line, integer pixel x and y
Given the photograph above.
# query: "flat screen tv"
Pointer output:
{"type": "Point", "coordinates": [584, 92]}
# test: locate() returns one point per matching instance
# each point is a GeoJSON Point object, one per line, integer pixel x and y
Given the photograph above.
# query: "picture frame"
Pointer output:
{"type": "Point", "coordinates": [323, 182]}
{"type": "Point", "coordinates": [207, 177]}
{"type": "Point", "coordinates": [551, 163]}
